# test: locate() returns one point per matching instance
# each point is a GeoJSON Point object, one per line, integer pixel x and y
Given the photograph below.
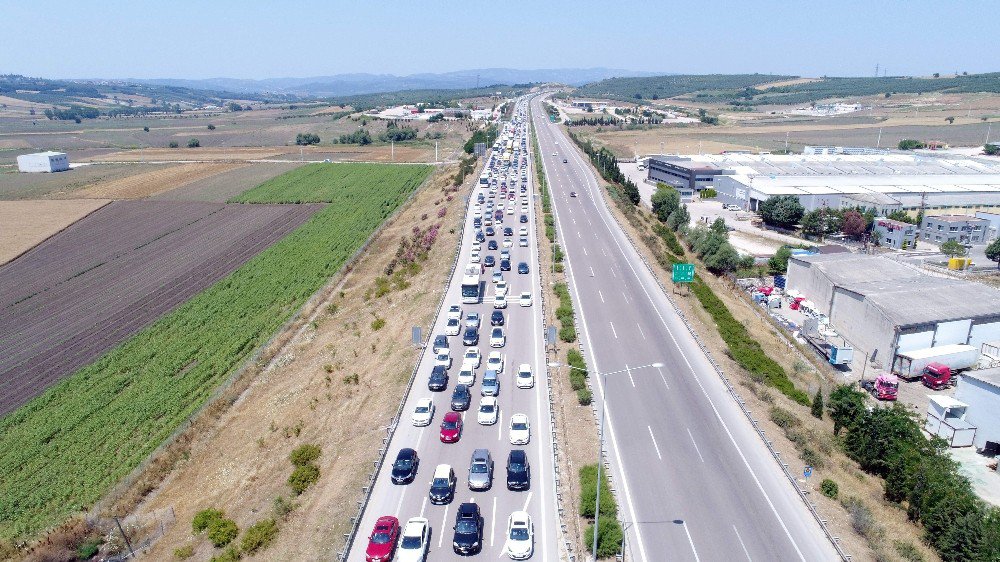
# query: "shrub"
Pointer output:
{"type": "Point", "coordinates": [222, 532]}
{"type": "Point", "coordinates": [204, 519]}
{"type": "Point", "coordinates": [211, 127]}
{"type": "Point", "coordinates": [282, 507]}
{"type": "Point", "coordinates": [231, 554]}
{"type": "Point", "coordinates": [303, 477]}
{"type": "Point", "coordinates": [862, 519]}
{"type": "Point", "coordinates": [907, 551]}
{"type": "Point", "coordinates": [259, 535]}
{"type": "Point", "coordinates": [184, 552]}
{"type": "Point", "coordinates": [584, 397]}
{"type": "Point", "coordinates": [304, 454]}
{"type": "Point", "coordinates": [194, 143]}
{"type": "Point", "coordinates": [811, 457]}
{"type": "Point", "coordinates": [577, 380]}
{"type": "Point", "coordinates": [609, 537]}
{"type": "Point", "coordinates": [829, 488]}
{"type": "Point", "coordinates": [783, 418]}
{"type": "Point", "coordinates": [378, 324]}
{"type": "Point", "coordinates": [89, 549]}
{"type": "Point", "coordinates": [145, 129]}
{"type": "Point", "coordinates": [817, 406]}
{"type": "Point", "coordinates": [567, 334]}
{"type": "Point", "coordinates": [173, 144]}
{"type": "Point", "coordinates": [588, 494]}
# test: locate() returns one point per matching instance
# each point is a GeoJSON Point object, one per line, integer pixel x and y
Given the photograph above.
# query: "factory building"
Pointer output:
{"type": "Point", "coordinates": [883, 182]}
{"type": "Point", "coordinates": [980, 390]}
{"type": "Point", "coordinates": [895, 234]}
{"type": "Point", "coordinates": [955, 228]}
{"type": "Point", "coordinates": [43, 162]}
{"type": "Point", "coordinates": [886, 308]}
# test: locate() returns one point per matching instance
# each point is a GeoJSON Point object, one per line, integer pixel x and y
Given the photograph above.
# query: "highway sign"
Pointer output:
{"type": "Point", "coordinates": [683, 273]}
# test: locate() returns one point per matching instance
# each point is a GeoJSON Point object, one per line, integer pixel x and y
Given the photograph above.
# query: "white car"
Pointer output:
{"type": "Point", "coordinates": [467, 376]}
{"type": "Point", "coordinates": [497, 337]}
{"type": "Point", "coordinates": [520, 536]}
{"type": "Point", "coordinates": [733, 208]}
{"type": "Point", "coordinates": [524, 378]}
{"type": "Point", "coordinates": [501, 288]}
{"type": "Point", "coordinates": [497, 277]}
{"type": "Point", "coordinates": [443, 358]}
{"type": "Point", "coordinates": [472, 320]}
{"type": "Point", "coordinates": [453, 327]}
{"type": "Point", "coordinates": [475, 258]}
{"type": "Point", "coordinates": [472, 358]}
{"type": "Point", "coordinates": [525, 299]}
{"type": "Point", "coordinates": [454, 311]}
{"type": "Point", "coordinates": [523, 242]}
{"type": "Point", "coordinates": [423, 413]}
{"type": "Point", "coordinates": [510, 209]}
{"type": "Point", "coordinates": [414, 542]}
{"type": "Point", "coordinates": [495, 362]}
{"type": "Point", "coordinates": [520, 429]}
{"type": "Point", "coordinates": [499, 301]}
{"type": "Point", "coordinates": [507, 242]}
{"type": "Point", "coordinates": [489, 411]}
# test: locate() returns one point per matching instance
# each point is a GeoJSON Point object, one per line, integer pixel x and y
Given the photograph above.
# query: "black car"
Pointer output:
{"type": "Point", "coordinates": [489, 261]}
{"type": "Point", "coordinates": [439, 379]}
{"type": "Point", "coordinates": [504, 265]}
{"type": "Point", "coordinates": [480, 237]}
{"type": "Point", "coordinates": [468, 529]}
{"type": "Point", "coordinates": [518, 470]}
{"type": "Point", "coordinates": [522, 267]}
{"type": "Point", "coordinates": [496, 319]}
{"type": "Point", "coordinates": [490, 231]}
{"type": "Point", "coordinates": [524, 218]}
{"type": "Point", "coordinates": [461, 398]}
{"type": "Point", "coordinates": [508, 231]}
{"type": "Point", "coordinates": [471, 336]}
{"type": "Point", "coordinates": [477, 222]}
{"type": "Point", "coordinates": [405, 468]}
{"type": "Point", "coordinates": [491, 245]}
{"type": "Point", "coordinates": [442, 488]}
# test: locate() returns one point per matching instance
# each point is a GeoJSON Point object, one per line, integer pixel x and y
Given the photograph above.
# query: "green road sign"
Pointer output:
{"type": "Point", "coordinates": [683, 273]}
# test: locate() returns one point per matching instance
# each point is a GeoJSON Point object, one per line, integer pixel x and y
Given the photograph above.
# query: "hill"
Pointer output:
{"type": "Point", "coordinates": [659, 87]}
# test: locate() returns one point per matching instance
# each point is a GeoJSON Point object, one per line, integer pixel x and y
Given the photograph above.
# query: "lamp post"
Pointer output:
{"type": "Point", "coordinates": [600, 434]}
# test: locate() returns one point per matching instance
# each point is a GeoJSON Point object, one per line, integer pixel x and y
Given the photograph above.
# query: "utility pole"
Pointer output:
{"type": "Point", "coordinates": [878, 143]}
{"type": "Point", "coordinates": [435, 151]}
{"type": "Point", "coordinates": [876, 70]}
{"type": "Point", "coordinates": [392, 151]}
{"type": "Point", "coordinates": [989, 126]}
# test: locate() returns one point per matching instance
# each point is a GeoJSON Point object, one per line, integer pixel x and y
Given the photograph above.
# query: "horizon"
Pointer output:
{"type": "Point", "coordinates": [227, 40]}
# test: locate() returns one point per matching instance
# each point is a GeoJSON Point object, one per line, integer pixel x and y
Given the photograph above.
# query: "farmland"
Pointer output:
{"type": "Point", "coordinates": [118, 270]}
{"type": "Point", "coordinates": [155, 181]}
{"type": "Point", "coordinates": [324, 182]}
{"type": "Point", "coordinates": [67, 447]}
{"type": "Point", "coordinates": [26, 223]}
{"type": "Point", "coordinates": [226, 185]}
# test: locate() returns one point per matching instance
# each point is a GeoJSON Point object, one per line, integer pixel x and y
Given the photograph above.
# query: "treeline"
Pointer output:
{"type": "Point", "coordinates": [395, 133]}
{"type": "Point", "coordinates": [486, 136]}
{"type": "Point", "coordinates": [660, 87]}
{"type": "Point", "coordinates": [435, 97]}
{"type": "Point", "coordinates": [593, 121]}
{"type": "Point", "coordinates": [870, 86]}
{"type": "Point", "coordinates": [920, 477]}
{"type": "Point", "coordinates": [607, 165]}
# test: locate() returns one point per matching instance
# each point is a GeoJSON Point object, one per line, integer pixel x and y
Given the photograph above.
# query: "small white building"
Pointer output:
{"type": "Point", "coordinates": [43, 162]}
{"type": "Point", "coordinates": [981, 391]}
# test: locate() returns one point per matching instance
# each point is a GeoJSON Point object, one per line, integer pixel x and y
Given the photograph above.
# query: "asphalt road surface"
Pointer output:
{"type": "Point", "coordinates": [695, 482]}
{"type": "Point", "coordinates": [524, 345]}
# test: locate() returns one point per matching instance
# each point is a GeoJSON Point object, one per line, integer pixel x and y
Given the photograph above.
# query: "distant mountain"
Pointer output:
{"type": "Point", "coordinates": [363, 83]}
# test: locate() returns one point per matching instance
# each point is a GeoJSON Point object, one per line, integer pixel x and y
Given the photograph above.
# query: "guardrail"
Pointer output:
{"type": "Point", "coordinates": [730, 388]}
{"type": "Point", "coordinates": [366, 490]}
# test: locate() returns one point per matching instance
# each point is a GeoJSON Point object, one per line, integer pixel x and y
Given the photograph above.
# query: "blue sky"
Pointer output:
{"type": "Point", "coordinates": [251, 39]}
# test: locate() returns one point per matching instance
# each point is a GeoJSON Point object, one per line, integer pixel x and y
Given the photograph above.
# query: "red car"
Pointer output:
{"type": "Point", "coordinates": [382, 542]}
{"type": "Point", "coordinates": [451, 427]}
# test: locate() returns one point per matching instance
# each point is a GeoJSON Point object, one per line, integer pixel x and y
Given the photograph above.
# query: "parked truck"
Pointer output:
{"type": "Point", "coordinates": [912, 365]}
{"type": "Point", "coordinates": [884, 387]}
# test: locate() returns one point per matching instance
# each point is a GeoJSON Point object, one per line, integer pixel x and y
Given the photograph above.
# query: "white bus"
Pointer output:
{"type": "Point", "coordinates": [470, 284]}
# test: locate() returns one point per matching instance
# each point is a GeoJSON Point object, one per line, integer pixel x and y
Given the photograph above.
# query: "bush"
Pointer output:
{"type": "Point", "coordinates": [907, 551]}
{"type": "Point", "coordinates": [584, 397]}
{"type": "Point", "coordinates": [783, 418]}
{"type": "Point", "coordinates": [588, 494]}
{"type": "Point", "coordinates": [282, 507]}
{"type": "Point", "coordinates": [567, 334]}
{"type": "Point", "coordinates": [609, 537]}
{"type": "Point", "coordinates": [211, 127]}
{"type": "Point", "coordinates": [173, 144]}
{"type": "Point", "coordinates": [378, 324]}
{"type": "Point", "coordinates": [577, 380]}
{"type": "Point", "coordinates": [89, 549]}
{"type": "Point", "coordinates": [862, 520]}
{"type": "Point", "coordinates": [259, 535]}
{"type": "Point", "coordinates": [305, 139]}
{"type": "Point", "coordinates": [222, 532]}
{"type": "Point", "coordinates": [829, 488]}
{"type": "Point", "coordinates": [145, 129]}
{"type": "Point", "coordinates": [817, 406]}
{"type": "Point", "coordinates": [304, 454]}
{"type": "Point", "coordinates": [303, 477]}
{"type": "Point", "coordinates": [194, 143]}
{"type": "Point", "coordinates": [204, 519]}
{"type": "Point", "coordinates": [231, 554]}
{"type": "Point", "coordinates": [709, 193]}
{"type": "Point", "coordinates": [184, 552]}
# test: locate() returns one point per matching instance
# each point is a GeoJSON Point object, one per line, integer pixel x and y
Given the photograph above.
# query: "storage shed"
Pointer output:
{"type": "Point", "coordinates": [981, 391]}
{"type": "Point", "coordinates": [43, 162]}
{"type": "Point", "coordinates": [946, 418]}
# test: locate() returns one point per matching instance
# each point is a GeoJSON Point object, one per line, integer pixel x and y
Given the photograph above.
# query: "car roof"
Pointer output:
{"type": "Point", "coordinates": [385, 520]}
{"type": "Point", "coordinates": [415, 525]}
{"type": "Point", "coordinates": [442, 471]}
{"type": "Point", "coordinates": [452, 416]}
{"type": "Point", "coordinates": [518, 455]}
{"type": "Point", "coordinates": [480, 454]}
{"type": "Point", "coordinates": [461, 387]}
{"type": "Point", "coordinates": [520, 517]}
{"type": "Point", "coordinates": [424, 401]}
{"type": "Point", "coordinates": [468, 509]}
{"type": "Point", "coordinates": [406, 452]}
{"type": "Point", "coordinates": [519, 416]}
{"type": "Point", "coordinates": [439, 370]}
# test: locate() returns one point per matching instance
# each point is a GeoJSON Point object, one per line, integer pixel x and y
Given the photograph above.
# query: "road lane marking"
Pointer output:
{"type": "Point", "coordinates": [655, 446]}
{"type": "Point", "coordinates": [662, 378]}
{"type": "Point", "coordinates": [578, 235]}
{"type": "Point", "coordinates": [444, 522]}
{"type": "Point", "coordinates": [640, 331]}
{"type": "Point", "coordinates": [739, 538]}
{"type": "Point", "coordinates": [693, 442]}
{"type": "Point", "coordinates": [629, 371]}
{"type": "Point", "coordinates": [585, 250]}
{"type": "Point", "coordinates": [493, 523]}
{"type": "Point", "coordinates": [423, 505]}
{"type": "Point", "coordinates": [612, 270]}
{"type": "Point", "coordinates": [600, 294]}
{"type": "Point", "coordinates": [624, 296]}
{"type": "Point", "coordinates": [499, 424]}
{"type": "Point", "coordinates": [603, 253]}
{"type": "Point", "coordinates": [592, 272]}
{"type": "Point", "coordinates": [613, 329]}
{"type": "Point", "coordinates": [690, 541]}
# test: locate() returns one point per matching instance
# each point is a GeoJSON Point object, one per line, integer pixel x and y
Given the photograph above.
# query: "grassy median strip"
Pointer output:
{"type": "Point", "coordinates": [63, 450]}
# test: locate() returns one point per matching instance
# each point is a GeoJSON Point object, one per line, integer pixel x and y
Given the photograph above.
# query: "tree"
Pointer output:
{"type": "Point", "coordinates": [306, 139]}
{"type": "Point", "coordinates": [901, 216]}
{"type": "Point", "coordinates": [719, 227]}
{"type": "Point", "coordinates": [782, 210]}
{"type": "Point", "coordinates": [953, 248]}
{"type": "Point", "coordinates": [211, 127]}
{"type": "Point", "coordinates": [145, 129]}
{"type": "Point", "coordinates": [949, 119]}
{"type": "Point", "coordinates": [847, 406]}
{"type": "Point", "coordinates": [911, 144]}
{"type": "Point", "coordinates": [778, 264]}
{"type": "Point", "coordinates": [854, 224]}
{"type": "Point", "coordinates": [937, 74]}
{"type": "Point", "coordinates": [991, 150]}
{"type": "Point", "coordinates": [233, 106]}
{"type": "Point", "coordinates": [723, 260]}
{"type": "Point", "coordinates": [993, 252]}
{"type": "Point", "coordinates": [817, 405]}
{"type": "Point", "coordinates": [665, 201]}
{"type": "Point", "coordinates": [194, 143]}
{"type": "Point", "coordinates": [812, 224]}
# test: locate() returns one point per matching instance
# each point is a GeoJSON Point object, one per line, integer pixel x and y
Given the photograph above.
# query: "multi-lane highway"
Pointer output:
{"type": "Point", "coordinates": [523, 329]}
{"type": "Point", "coordinates": [694, 480]}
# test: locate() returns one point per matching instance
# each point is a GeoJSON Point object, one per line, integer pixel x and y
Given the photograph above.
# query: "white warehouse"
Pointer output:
{"type": "Point", "coordinates": [981, 391]}
{"type": "Point", "coordinates": [43, 162]}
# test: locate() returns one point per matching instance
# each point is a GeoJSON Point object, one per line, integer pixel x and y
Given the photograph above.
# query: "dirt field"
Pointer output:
{"type": "Point", "coordinates": [238, 154]}
{"type": "Point", "coordinates": [118, 270]}
{"type": "Point", "coordinates": [153, 182]}
{"type": "Point", "coordinates": [16, 185]}
{"type": "Point", "coordinates": [23, 224]}
{"type": "Point", "coordinates": [241, 463]}
{"type": "Point", "coordinates": [223, 186]}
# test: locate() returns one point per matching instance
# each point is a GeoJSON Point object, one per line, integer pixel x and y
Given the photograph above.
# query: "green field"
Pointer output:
{"type": "Point", "coordinates": [321, 183]}
{"type": "Point", "coordinates": [65, 449]}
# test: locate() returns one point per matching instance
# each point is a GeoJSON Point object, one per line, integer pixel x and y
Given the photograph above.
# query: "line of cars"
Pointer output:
{"type": "Point", "coordinates": [496, 200]}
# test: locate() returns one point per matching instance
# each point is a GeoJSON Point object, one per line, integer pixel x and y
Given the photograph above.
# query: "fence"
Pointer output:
{"type": "Point", "coordinates": [127, 537]}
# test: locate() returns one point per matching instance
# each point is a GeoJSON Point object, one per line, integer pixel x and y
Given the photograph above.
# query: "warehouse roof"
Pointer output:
{"type": "Point", "coordinates": [988, 376]}
{"type": "Point", "coordinates": [845, 268]}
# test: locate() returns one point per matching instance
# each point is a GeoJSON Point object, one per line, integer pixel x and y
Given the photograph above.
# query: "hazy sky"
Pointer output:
{"type": "Point", "coordinates": [252, 39]}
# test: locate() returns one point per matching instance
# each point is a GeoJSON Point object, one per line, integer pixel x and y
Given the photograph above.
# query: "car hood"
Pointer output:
{"type": "Point", "coordinates": [409, 555]}
{"type": "Point", "coordinates": [518, 547]}
{"type": "Point", "coordinates": [378, 549]}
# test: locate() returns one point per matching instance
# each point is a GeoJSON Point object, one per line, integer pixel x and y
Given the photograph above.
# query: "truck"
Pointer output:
{"type": "Point", "coordinates": [835, 354]}
{"type": "Point", "coordinates": [912, 365]}
{"type": "Point", "coordinates": [471, 291]}
{"type": "Point", "coordinates": [936, 376]}
{"type": "Point", "coordinates": [884, 387]}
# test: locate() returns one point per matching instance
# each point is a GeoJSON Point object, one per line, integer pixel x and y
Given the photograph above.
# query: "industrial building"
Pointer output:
{"type": "Point", "coordinates": [895, 234]}
{"type": "Point", "coordinates": [885, 308]}
{"type": "Point", "coordinates": [956, 228]}
{"type": "Point", "coordinates": [43, 162]}
{"type": "Point", "coordinates": [883, 182]}
{"type": "Point", "coordinates": [980, 391]}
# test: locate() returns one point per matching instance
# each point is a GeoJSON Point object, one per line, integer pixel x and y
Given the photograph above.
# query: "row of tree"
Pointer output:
{"type": "Point", "coordinates": [607, 164]}
{"type": "Point", "coordinates": [709, 243]}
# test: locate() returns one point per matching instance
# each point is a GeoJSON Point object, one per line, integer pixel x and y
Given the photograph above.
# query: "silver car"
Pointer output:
{"type": "Point", "coordinates": [481, 470]}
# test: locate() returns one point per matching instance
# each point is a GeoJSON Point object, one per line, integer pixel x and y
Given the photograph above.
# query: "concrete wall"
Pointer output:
{"type": "Point", "coordinates": [863, 325]}
{"type": "Point", "coordinates": [984, 408]}
{"type": "Point", "coordinates": [811, 282]}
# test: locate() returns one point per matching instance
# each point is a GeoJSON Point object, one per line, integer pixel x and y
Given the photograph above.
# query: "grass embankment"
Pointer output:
{"type": "Point", "coordinates": [65, 449]}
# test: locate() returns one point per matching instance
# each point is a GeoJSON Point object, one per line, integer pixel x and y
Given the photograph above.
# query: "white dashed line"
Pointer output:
{"type": "Point", "coordinates": [739, 538]}
{"type": "Point", "coordinates": [655, 446]}
{"type": "Point", "coordinates": [613, 329]}
{"type": "Point", "coordinates": [640, 331]}
{"type": "Point", "coordinates": [600, 294]}
{"type": "Point", "coordinates": [696, 449]}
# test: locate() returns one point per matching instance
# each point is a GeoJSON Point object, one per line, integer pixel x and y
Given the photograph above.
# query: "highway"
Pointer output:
{"type": "Point", "coordinates": [693, 478]}
{"type": "Point", "coordinates": [524, 344]}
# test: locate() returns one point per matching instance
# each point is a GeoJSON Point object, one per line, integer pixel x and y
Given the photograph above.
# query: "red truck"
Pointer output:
{"type": "Point", "coordinates": [884, 387]}
{"type": "Point", "coordinates": [936, 376]}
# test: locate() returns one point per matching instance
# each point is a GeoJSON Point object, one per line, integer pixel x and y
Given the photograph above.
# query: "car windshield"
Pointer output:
{"type": "Point", "coordinates": [449, 425]}
{"type": "Point", "coordinates": [380, 538]}
{"type": "Point", "coordinates": [465, 527]}
{"type": "Point", "coordinates": [404, 463]}
{"type": "Point", "coordinates": [440, 483]}
{"type": "Point", "coordinates": [410, 542]}
{"type": "Point", "coordinates": [516, 467]}
{"type": "Point", "coordinates": [519, 534]}
{"type": "Point", "coordinates": [479, 468]}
